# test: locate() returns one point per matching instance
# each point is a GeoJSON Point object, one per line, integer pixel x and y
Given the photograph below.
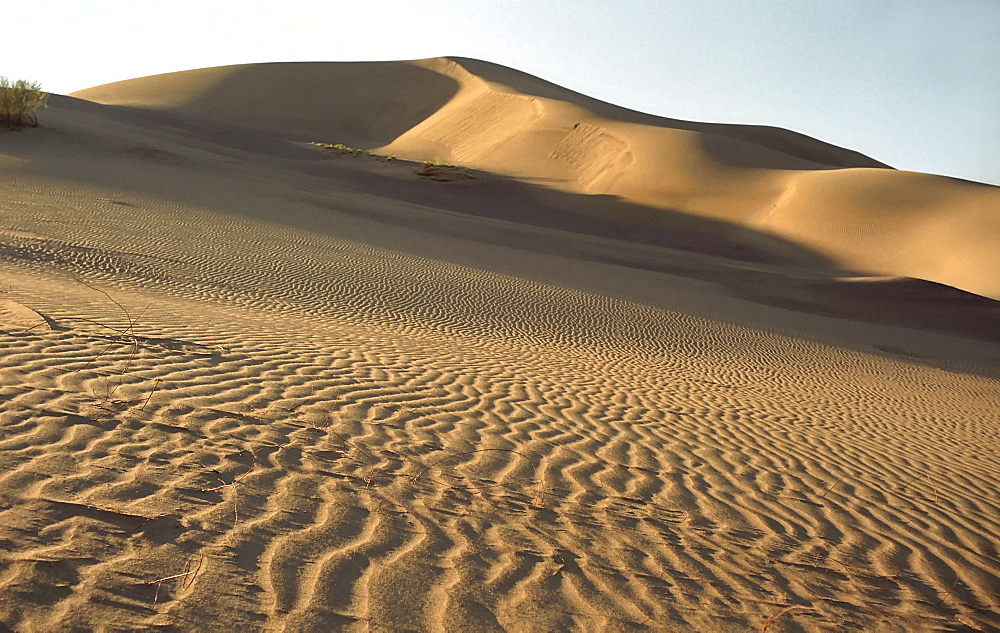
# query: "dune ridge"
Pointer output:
{"type": "Point", "coordinates": [246, 383]}
{"type": "Point", "coordinates": [500, 120]}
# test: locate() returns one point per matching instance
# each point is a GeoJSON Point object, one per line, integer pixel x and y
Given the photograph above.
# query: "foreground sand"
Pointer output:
{"type": "Point", "coordinates": [245, 385]}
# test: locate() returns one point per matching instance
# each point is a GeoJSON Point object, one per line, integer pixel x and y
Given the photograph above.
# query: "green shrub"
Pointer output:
{"type": "Point", "coordinates": [444, 172]}
{"type": "Point", "coordinates": [17, 102]}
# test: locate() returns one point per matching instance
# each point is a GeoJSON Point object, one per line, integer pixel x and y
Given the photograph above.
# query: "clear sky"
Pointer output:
{"type": "Point", "coordinates": [913, 83]}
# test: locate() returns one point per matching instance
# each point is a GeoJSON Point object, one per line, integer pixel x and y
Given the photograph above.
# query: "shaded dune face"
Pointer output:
{"type": "Point", "coordinates": [847, 209]}
{"type": "Point", "coordinates": [357, 103]}
{"type": "Point", "coordinates": [904, 223]}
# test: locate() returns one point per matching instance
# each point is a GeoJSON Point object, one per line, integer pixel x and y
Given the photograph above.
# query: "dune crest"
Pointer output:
{"type": "Point", "coordinates": [846, 206]}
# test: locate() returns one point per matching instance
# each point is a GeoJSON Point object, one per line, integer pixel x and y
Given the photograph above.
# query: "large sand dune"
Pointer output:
{"type": "Point", "coordinates": [622, 373]}
{"type": "Point", "coordinates": [841, 204]}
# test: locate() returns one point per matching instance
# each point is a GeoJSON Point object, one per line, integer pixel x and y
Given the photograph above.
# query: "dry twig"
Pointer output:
{"type": "Point", "coordinates": [937, 496]}
{"type": "Point", "coordinates": [127, 332]}
{"type": "Point", "coordinates": [830, 489]}
{"type": "Point", "coordinates": [188, 571]}
{"type": "Point", "coordinates": [777, 615]}
{"type": "Point", "coordinates": [156, 383]}
{"type": "Point", "coordinates": [232, 485]}
{"type": "Point", "coordinates": [950, 589]}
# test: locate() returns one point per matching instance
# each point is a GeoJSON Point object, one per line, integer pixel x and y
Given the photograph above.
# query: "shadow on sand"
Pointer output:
{"type": "Point", "coordinates": [747, 264]}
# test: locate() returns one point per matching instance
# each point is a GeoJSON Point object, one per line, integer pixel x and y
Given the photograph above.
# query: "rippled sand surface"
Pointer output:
{"type": "Point", "coordinates": [241, 389]}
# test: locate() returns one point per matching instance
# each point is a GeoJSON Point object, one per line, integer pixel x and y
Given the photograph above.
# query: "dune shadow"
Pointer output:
{"type": "Point", "coordinates": [520, 209]}
{"type": "Point", "coordinates": [497, 210]}
{"type": "Point", "coordinates": [906, 302]}
{"type": "Point", "coordinates": [518, 205]}
{"type": "Point", "coordinates": [356, 103]}
{"type": "Point", "coordinates": [763, 147]}
{"type": "Point", "coordinates": [746, 263]}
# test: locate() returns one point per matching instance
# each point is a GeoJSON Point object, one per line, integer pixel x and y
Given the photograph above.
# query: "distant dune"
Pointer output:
{"type": "Point", "coordinates": [840, 204]}
{"type": "Point", "coordinates": [440, 346]}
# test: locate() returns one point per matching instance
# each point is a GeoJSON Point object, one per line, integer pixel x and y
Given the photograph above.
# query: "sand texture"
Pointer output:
{"type": "Point", "coordinates": [595, 370]}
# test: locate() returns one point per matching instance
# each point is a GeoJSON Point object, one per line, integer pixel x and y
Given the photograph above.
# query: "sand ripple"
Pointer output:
{"type": "Point", "coordinates": [313, 434]}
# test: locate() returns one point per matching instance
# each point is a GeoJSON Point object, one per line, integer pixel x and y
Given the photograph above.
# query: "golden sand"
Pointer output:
{"type": "Point", "coordinates": [611, 372]}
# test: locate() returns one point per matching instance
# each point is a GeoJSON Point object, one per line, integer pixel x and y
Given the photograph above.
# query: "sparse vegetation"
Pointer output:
{"type": "Point", "coordinates": [435, 169]}
{"type": "Point", "coordinates": [18, 101]}
{"type": "Point", "coordinates": [338, 149]}
{"type": "Point", "coordinates": [440, 171]}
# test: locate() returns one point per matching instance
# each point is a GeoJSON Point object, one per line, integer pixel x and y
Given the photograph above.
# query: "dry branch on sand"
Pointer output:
{"type": "Point", "coordinates": [232, 485]}
{"type": "Point", "coordinates": [189, 574]}
{"type": "Point", "coordinates": [777, 615]}
{"type": "Point", "coordinates": [127, 333]}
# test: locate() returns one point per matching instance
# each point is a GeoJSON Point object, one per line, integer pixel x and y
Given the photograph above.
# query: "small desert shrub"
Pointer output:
{"type": "Point", "coordinates": [344, 149]}
{"type": "Point", "coordinates": [339, 149]}
{"type": "Point", "coordinates": [444, 172]}
{"type": "Point", "coordinates": [17, 102]}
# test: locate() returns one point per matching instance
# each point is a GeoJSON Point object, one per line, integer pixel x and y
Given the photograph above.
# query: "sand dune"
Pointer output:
{"type": "Point", "coordinates": [499, 120]}
{"type": "Point", "coordinates": [627, 373]}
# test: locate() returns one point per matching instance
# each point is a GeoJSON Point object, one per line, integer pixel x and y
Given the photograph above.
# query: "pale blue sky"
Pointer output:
{"type": "Point", "coordinates": [913, 83]}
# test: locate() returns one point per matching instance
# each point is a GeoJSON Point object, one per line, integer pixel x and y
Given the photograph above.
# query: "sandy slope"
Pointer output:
{"type": "Point", "coordinates": [248, 384]}
{"type": "Point", "coordinates": [862, 216]}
